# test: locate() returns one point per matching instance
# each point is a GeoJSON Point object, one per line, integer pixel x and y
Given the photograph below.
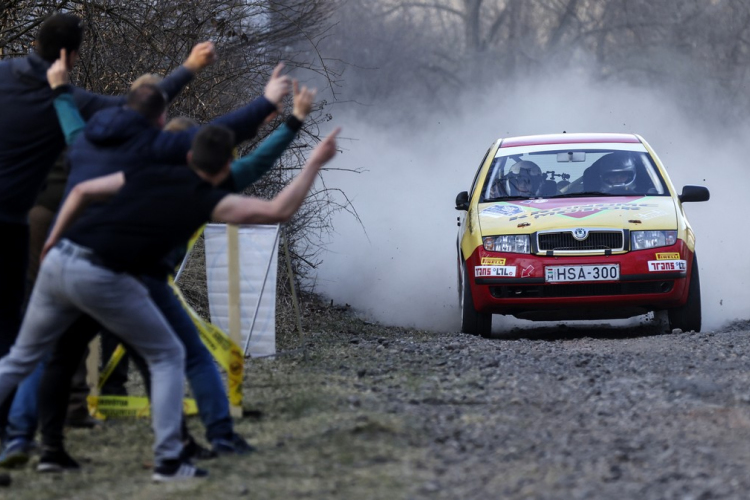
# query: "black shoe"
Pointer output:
{"type": "Point", "coordinates": [4, 479]}
{"type": "Point", "coordinates": [234, 445]}
{"type": "Point", "coordinates": [191, 450]}
{"type": "Point", "coordinates": [177, 470]}
{"type": "Point", "coordinates": [57, 461]}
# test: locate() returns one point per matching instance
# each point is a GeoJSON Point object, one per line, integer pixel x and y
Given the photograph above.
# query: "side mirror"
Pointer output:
{"type": "Point", "coordinates": [694, 193]}
{"type": "Point", "coordinates": [462, 201]}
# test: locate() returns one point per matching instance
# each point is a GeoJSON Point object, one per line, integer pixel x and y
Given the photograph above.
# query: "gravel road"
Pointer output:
{"type": "Point", "coordinates": [565, 411]}
{"type": "Point", "coordinates": [358, 410]}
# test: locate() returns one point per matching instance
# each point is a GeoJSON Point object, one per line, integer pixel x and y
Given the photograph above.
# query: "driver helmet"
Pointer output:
{"type": "Point", "coordinates": [524, 179]}
{"type": "Point", "coordinates": [618, 173]}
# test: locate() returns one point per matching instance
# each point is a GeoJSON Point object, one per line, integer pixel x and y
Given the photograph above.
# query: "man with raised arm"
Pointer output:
{"type": "Point", "coordinates": [31, 140]}
{"type": "Point", "coordinates": [202, 373]}
{"type": "Point", "coordinates": [92, 263]}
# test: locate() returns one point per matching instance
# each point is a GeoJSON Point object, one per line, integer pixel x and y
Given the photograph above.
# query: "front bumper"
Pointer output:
{"type": "Point", "coordinates": [528, 295]}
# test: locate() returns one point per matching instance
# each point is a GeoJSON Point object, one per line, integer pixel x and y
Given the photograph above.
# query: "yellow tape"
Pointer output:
{"type": "Point", "coordinates": [130, 406]}
{"type": "Point", "coordinates": [117, 355]}
{"type": "Point", "coordinates": [194, 238]}
{"type": "Point", "coordinates": [226, 352]}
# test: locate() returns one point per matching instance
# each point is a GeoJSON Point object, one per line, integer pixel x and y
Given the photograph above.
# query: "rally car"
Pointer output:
{"type": "Point", "coordinates": [575, 226]}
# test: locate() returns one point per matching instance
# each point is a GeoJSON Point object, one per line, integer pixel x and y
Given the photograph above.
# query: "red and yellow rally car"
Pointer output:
{"type": "Point", "coordinates": [575, 226]}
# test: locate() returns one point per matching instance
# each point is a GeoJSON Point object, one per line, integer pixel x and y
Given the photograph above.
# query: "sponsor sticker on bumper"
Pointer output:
{"type": "Point", "coordinates": [658, 266]}
{"type": "Point", "coordinates": [494, 271]}
{"type": "Point", "coordinates": [668, 256]}
{"type": "Point", "coordinates": [493, 261]}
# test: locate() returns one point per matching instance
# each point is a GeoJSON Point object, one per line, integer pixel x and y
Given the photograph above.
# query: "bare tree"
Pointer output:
{"type": "Point", "coordinates": [126, 39]}
{"type": "Point", "coordinates": [698, 49]}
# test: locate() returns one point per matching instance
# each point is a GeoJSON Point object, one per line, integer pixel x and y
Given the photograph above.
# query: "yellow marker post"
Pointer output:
{"type": "Point", "coordinates": [235, 324]}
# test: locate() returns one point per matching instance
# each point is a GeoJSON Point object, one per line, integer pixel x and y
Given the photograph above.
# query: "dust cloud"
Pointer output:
{"type": "Point", "coordinates": [400, 268]}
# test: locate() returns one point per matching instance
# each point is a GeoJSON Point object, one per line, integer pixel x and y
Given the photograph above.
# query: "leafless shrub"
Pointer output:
{"type": "Point", "coordinates": [427, 50]}
{"type": "Point", "coordinates": [126, 39]}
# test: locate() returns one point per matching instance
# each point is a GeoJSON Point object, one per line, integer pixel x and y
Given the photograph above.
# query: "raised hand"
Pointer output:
{"type": "Point", "coordinates": [57, 74]}
{"type": "Point", "coordinates": [277, 86]}
{"type": "Point", "coordinates": [325, 150]}
{"type": "Point", "coordinates": [202, 55]}
{"type": "Point", "coordinates": [303, 101]}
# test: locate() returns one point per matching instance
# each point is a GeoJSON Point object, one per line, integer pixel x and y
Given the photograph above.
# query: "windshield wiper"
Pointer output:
{"type": "Point", "coordinates": [508, 198]}
{"type": "Point", "coordinates": [584, 194]}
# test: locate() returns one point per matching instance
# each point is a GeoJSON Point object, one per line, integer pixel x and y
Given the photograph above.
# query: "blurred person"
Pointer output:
{"type": "Point", "coordinates": [201, 370]}
{"type": "Point", "coordinates": [31, 140]}
{"type": "Point", "coordinates": [130, 139]}
{"type": "Point", "coordinates": [23, 415]}
{"type": "Point", "coordinates": [115, 383]}
{"type": "Point", "coordinates": [94, 259]}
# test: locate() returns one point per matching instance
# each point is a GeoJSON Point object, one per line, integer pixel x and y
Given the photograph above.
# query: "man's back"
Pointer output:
{"type": "Point", "coordinates": [157, 209]}
{"type": "Point", "coordinates": [121, 139]}
{"type": "Point", "coordinates": [30, 134]}
{"type": "Point", "coordinates": [30, 137]}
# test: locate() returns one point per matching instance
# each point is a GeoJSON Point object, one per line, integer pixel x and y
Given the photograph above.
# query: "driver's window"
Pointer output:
{"type": "Point", "coordinates": [493, 187]}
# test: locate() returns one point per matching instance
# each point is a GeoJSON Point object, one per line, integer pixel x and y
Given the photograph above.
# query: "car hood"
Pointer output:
{"type": "Point", "coordinates": [627, 212]}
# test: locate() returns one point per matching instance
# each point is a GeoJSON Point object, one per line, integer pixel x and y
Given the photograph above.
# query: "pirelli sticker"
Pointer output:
{"type": "Point", "coordinates": [494, 271]}
{"type": "Point", "coordinates": [668, 256]}
{"type": "Point", "coordinates": [494, 261]}
{"type": "Point", "coordinates": [658, 266]}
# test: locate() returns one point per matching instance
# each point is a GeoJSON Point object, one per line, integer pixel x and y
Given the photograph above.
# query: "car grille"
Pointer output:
{"type": "Point", "coordinates": [580, 289]}
{"type": "Point", "coordinates": [596, 240]}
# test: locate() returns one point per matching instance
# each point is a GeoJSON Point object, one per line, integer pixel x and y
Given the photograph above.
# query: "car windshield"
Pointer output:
{"type": "Point", "coordinates": [571, 172]}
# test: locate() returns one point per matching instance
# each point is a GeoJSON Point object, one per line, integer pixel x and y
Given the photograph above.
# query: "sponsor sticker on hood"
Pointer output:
{"type": "Point", "coordinates": [501, 211]}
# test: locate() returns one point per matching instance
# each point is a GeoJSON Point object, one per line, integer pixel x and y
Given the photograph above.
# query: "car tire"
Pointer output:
{"type": "Point", "coordinates": [472, 322]}
{"type": "Point", "coordinates": [688, 317]}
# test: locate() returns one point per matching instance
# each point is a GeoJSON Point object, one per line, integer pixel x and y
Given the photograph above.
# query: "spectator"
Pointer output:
{"type": "Point", "coordinates": [129, 138]}
{"type": "Point", "coordinates": [31, 140]}
{"type": "Point", "coordinates": [97, 258]}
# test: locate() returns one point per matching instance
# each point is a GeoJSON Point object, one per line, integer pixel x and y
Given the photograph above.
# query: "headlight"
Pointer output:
{"type": "Point", "coordinates": [641, 240]}
{"type": "Point", "coordinates": [517, 243]}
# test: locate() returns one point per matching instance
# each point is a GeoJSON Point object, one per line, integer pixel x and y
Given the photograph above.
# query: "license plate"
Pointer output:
{"type": "Point", "coordinates": [558, 274]}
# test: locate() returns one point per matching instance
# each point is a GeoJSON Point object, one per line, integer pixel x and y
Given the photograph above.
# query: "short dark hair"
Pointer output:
{"type": "Point", "coordinates": [59, 31]}
{"type": "Point", "coordinates": [212, 148]}
{"type": "Point", "coordinates": [148, 100]}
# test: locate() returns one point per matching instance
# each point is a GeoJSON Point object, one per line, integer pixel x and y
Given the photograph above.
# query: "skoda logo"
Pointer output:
{"type": "Point", "coordinates": [580, 233]}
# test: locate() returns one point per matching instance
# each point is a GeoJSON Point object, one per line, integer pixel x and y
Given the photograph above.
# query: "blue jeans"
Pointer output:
{"type": "Point", "coordinates": [201, 371]}
{"type": "Point", "coordinates": [22, 419]}
{"type": "Point", "coordinates": [70, 283]}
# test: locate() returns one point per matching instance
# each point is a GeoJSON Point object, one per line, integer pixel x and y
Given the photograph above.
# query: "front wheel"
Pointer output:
{"type": "Point", "coordinates": [688, 317]}
{"type": "Point", "coordinates": [472, 322]}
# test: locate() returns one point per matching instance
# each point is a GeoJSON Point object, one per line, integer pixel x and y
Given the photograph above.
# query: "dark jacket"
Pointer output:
{"type": "Point", "coordinates": [30, 136]}
{"type": "Point", "coordinates": [121, 139]}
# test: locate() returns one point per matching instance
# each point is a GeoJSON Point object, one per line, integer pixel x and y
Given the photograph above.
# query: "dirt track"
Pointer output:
{"type": "Point", "coordinates": [365, 411]}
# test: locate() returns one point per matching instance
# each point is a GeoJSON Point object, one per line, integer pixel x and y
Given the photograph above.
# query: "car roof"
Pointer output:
{"type": "Point", "coordinates": [535, 140]}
